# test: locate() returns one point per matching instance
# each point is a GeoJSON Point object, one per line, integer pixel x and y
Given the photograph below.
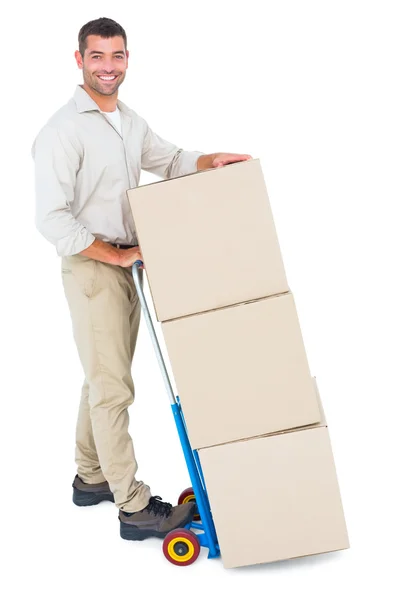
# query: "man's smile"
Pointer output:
{"type": "Point", "coordinates": [107, 77]}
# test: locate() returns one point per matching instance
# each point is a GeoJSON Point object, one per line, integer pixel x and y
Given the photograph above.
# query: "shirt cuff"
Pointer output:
{"type": "Point", "coordinates": [74, 244]}
{"type": "Point", "coordinates": [184, 163]}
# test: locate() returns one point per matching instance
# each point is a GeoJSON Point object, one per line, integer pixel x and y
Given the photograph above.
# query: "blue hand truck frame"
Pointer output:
{"type": "Point", "coordinates": [208, 537]}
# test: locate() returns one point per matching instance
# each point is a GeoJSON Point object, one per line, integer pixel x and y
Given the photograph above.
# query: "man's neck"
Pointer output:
{"type": "Point", "coordinates": [105, 103]}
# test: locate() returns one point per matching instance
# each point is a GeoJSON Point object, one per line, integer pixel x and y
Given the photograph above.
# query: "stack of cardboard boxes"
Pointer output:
{"type": "Point", "coordinates": [234, 341]}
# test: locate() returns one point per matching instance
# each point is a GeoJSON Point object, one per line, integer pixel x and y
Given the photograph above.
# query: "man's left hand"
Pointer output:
{"type": "Point", "coordinates": [220, 159]}
{"type": "Point", "coordinates": [224, 158]}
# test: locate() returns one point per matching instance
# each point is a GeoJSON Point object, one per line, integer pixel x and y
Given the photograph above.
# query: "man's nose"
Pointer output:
{"type": "Point", "coordinates": [108, 65]}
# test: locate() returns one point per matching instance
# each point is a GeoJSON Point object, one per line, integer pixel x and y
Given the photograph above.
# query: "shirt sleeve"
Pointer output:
{"type": "Point", "coordinates": [164, 158]}
{"type": "Point", "coordinates": [56, 165]}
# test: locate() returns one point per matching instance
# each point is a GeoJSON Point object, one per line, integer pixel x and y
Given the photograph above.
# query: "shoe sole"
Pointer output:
{"type": "Point", "coordinates": [80, 498]}
{"type": "Point", "coordinates": [134, 534]}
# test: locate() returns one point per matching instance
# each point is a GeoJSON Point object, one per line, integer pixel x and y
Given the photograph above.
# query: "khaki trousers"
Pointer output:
{"type": "Point", "coordinates": [105, 312]}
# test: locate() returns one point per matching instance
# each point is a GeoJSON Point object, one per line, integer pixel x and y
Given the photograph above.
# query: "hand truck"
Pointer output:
{"type": "Point", "coordinates": [182, 546]}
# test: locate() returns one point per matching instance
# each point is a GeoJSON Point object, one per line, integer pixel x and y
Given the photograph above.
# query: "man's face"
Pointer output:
{"type": "Point", "coordinates": [104, 63]}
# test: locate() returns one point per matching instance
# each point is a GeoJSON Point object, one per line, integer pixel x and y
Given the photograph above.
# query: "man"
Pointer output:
{"type": "Point", "coordinates": [86, 157]}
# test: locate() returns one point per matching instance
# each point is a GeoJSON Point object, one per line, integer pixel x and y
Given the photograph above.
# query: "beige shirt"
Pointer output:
{"type": "Point", "coordinates": [84, 166]}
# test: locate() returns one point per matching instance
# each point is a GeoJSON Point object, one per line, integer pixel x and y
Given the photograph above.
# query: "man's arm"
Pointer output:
{"type": "Point", "coordinates": [167, 160]}
{"type": "Point", "coordinates": [107, 253]}
{"type": "Point", "coordinates": [164, 158]}
{"type": "Point", "coordinates": [56, 165]}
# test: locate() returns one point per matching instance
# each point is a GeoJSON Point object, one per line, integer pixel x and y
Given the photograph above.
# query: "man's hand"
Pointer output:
{"type": "Point", "coordinates": [213, 161]}
{"type": "Point", "coordinates": [223, 158]}
{"type": "Point", "coordinates": [129, 256]}
{"type": "Point", "coordinates": [107, 253]}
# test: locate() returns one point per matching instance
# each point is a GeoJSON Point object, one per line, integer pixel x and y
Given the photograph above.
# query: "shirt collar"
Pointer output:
{"type": "Point", "coordinates": [84, 103]}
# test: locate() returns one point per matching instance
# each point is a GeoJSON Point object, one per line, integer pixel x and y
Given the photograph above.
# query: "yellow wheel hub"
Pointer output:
{"type": "Point", "coordinates": [188, 499]}
{"type": "Point", "coordinates": [176, 556]}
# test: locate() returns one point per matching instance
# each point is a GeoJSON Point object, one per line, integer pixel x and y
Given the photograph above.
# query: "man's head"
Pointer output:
{"type": "Point", "coordinates": [102, 55]}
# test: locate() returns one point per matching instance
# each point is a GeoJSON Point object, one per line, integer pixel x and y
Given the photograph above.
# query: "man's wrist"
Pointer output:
{"type": "Point", "coordinates": [115, 256]}
{"type": "Point", "coordinates": [103, 252]}
{"type": "Point", "coordinates": [205, 161]}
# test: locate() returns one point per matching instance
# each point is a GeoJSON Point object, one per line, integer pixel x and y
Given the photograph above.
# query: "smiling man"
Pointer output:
{"type": "Point", "coordinates": [86, 156]}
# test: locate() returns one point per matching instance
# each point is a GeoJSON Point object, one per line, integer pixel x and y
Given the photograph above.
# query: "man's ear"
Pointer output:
{"type": "Point", "coordinates": [127, 56]}
{"type": "Point", "coordinates": [78, 58]}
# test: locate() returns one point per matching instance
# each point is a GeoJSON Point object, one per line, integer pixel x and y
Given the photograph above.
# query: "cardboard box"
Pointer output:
{"type": "Point", "coordinates": [275, 497]}
{"type": "Point", "coordinates": [208, 240]}
{"type": "Point", "coordinates": [241, 371]}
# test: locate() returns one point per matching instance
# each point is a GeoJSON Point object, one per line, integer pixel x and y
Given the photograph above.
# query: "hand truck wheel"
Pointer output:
{"type": "Point", "coordinates": [188, 496]}
{"type": "Point", "coordinates": [181, 547]}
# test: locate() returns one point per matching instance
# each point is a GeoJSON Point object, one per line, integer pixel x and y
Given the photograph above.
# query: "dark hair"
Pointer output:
{"type": "Point", "coordinates": [103, 27]}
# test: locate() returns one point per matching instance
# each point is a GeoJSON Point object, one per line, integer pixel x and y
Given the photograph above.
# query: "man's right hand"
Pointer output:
{"type": "Point", "coordinates": [129, 256]}
{"type": "Point", "coordinates": [111, 255]}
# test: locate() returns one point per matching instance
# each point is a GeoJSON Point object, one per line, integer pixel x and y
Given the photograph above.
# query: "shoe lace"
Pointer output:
{"type": "Point", "coordinates": [157, 507]}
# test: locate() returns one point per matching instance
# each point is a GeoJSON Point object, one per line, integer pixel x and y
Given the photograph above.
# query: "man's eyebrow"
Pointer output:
{"type": "Point", "coordinates": [99, 52]}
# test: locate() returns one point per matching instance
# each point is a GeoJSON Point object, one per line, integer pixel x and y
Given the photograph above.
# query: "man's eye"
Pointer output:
{"type": "Point", "coordinates": [96, 56]}
{"type": "Point", "coordinates": [120, 56]}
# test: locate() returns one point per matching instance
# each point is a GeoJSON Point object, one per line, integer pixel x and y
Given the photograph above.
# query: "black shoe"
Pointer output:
{"type": "Point", "coordinates": [88, 494]}
{"type": "Point", "coordinates": [155, 520]}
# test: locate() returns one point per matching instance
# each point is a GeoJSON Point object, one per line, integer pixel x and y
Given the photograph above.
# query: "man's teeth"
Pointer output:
{"type": "Point", "coordinates": [107, 78]}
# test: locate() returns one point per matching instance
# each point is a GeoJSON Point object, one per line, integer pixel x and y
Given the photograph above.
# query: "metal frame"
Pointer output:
{"type": "Point", "coordinates": [208, 538]}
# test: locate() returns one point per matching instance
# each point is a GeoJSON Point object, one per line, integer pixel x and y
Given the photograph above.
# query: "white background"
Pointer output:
{"type": "Point", "coordinates": [312, 89]}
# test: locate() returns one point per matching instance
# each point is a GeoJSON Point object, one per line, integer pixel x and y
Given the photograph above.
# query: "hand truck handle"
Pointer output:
{"type": "Point", "coordinates": [139, 289]}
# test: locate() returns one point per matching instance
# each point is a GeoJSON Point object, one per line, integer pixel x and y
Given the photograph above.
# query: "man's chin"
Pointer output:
{"type": "Point", "coordinates": [109, 92]}
{"type": "Point", "coordinates": [105, 91]}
